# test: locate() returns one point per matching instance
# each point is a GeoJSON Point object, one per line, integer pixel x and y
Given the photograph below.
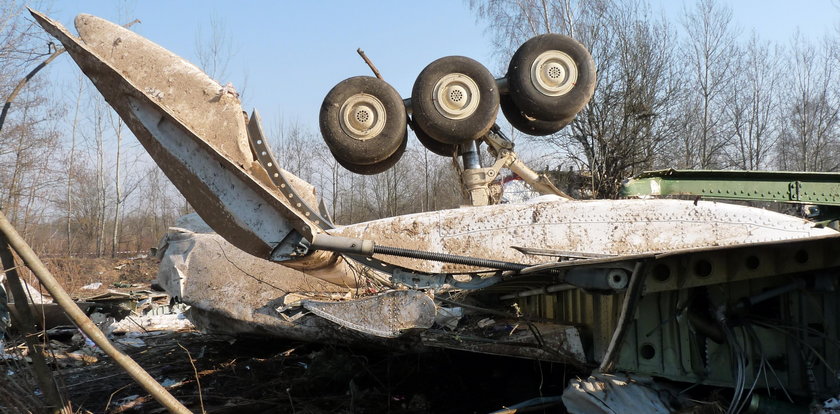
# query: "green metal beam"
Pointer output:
{"type": "Point", "coordinates": [780, 186]}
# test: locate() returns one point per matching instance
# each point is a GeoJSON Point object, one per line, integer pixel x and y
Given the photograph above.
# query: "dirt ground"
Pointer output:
{"type": "Point", "coordinates": [220, 374]}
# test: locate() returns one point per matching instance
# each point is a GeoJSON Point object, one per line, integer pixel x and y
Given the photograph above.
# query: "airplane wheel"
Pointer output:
{"type": "Point", "coordinates": [433, 145]}
{"type": "Point", "coordinates": [455, 100]}
{"type": "Point", "coordinates": [375, 168]}
{"type": "Point", "coordinates": [527, 124]}
{"type": "Point", "coordinates": [363, 121]}
{"type": "Point", "coordinates": [551, 77]}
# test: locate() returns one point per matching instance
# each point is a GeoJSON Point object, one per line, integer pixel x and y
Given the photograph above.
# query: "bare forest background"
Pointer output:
{"type": "Point", "coordinates": [692, 93]}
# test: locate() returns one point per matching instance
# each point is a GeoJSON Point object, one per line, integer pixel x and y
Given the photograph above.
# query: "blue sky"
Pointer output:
{"type": "Point", "coordinates": [289, 54]}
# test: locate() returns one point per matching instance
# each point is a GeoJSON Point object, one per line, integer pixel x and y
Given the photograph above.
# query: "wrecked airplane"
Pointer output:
{"type": "Point", "coordinates": [691, 291]}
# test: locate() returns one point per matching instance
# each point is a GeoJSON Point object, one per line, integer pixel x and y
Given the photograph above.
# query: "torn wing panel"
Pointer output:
{"type": "Point", "coordinates": [206, 107]}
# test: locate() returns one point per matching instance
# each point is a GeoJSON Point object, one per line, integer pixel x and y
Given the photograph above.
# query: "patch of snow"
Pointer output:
{"type": "Point", "coordinates": [92, 286]}
{"type": "Point", "coordinates": [149, 323]}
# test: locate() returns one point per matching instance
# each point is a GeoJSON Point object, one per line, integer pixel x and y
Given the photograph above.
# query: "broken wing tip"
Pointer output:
{"type": "Point", "coordinates": [45, 22]}
{"type": "Point", "coordinates": [39, 17]}
{"type": "Point", "coordinates": [49, 25]}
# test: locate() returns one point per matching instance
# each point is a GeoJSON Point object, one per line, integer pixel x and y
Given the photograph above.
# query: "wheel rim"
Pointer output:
{"type": "Point", "coordinates": [456, 96]}
{"type": "Point", "coordinates": [554, 73]}
{"type": "Point", "coordinates": [363, 116]}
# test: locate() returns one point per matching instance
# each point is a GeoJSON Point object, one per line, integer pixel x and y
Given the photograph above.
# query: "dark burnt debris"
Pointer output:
{"type": "Point", "coordinates": [258, 375]}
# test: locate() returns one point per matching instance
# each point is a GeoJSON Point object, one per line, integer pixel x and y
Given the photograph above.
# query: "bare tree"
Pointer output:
{"type": "Point", "coordinates": [118, 196]}
{"type": "Point", "coordinates": [99, 115]}
{"type": "Point", "coordinates": [810, 119]}
{"type": "Point", "coordinates": [514, 21]}
{"type": "Point", "coordinates": [71, 159]}
{"type": "Point", "coordinates": [24, 138]}
{"type": "Point", "coordinates": [26, 146]}
{"type": "Point", "coordinates": [710, 50]}
{"type": "Point", "coordinates": [214, 48]}
{"type": "Point", "coordinates": [753, 104]}
{"type": "Point", "coordinates": [629, 118]}
{"type": "Point", "coordinates": [295, 146]}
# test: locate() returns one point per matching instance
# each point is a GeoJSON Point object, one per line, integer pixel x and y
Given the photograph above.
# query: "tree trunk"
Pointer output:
{"type": "Point", "coordinates": [119, 199]}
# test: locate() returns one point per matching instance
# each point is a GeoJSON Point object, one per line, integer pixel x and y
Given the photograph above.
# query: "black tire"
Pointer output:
{"type": "Point", "coordinates": [562, 96]}
{"type": "Point", "coordinates": [363, 120]}
{"type": "Point", "coordinates": [431, 144]}
{"type": "Point", "coordinates": [376, 168]}
{"type": "Point", "coordinates": [464, 82]}
{"type": "Point", "coordinates": [526, 124]}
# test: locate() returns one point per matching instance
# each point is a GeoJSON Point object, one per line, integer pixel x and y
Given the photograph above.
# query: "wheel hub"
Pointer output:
{"type": "Point", "coordinates": [362, 116]}
{"type": "Point", "coordinates": [456, 96]}
{"type": "Point", "coordinates": [554, 73]}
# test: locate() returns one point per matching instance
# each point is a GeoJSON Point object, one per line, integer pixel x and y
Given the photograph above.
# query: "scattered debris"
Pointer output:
{"type": "Point", "coordinates": [92, 286]}
{"type": "Point", "coordinates": [609, 394]}
{"type": "Point", "coordinates": [169, 382]}
{"type": "Point", "coordinates": [485, 322]}
{"type": "Point", "coordinates": [153, 323]}
{"type": "Point", "coordinates": [829, 406]}
{"type": "Point", "coordinates": [449, 317]}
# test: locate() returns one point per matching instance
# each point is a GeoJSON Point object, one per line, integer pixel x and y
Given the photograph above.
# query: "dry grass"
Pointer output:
{"type": "Point", "coordinates": [75, 272]}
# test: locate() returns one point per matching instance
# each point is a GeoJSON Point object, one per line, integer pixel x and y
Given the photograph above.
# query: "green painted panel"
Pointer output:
{"type": "Point", "coordinates": [779, 186]}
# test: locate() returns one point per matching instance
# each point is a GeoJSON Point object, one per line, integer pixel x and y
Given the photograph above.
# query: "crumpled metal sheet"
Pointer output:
{"type": "Point", "coordinates": [203, 270]}
{"type": "Point", "coordinates": [232, 292]}
{"type": "Point", "coordinates": [610, 394]}
{"type": "Point", "coordinates": [387, 314]}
